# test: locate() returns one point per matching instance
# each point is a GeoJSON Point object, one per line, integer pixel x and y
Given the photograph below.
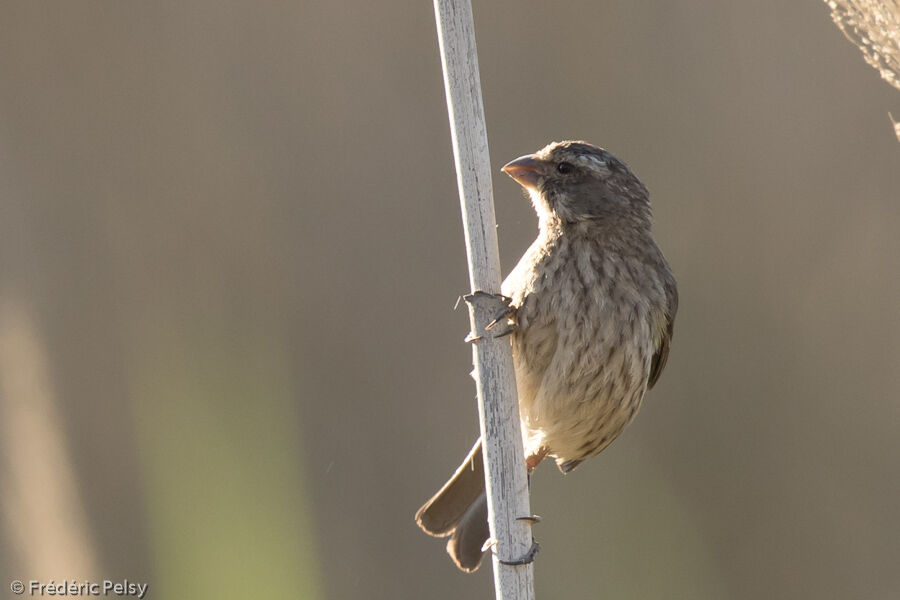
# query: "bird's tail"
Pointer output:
{"type": "Point", "coordinates": [459, 509]}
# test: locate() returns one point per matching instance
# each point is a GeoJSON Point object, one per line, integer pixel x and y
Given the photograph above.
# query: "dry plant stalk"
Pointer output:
{"type": "Point", "coordinates": [874, 26]}
{"type": "Point", "coordinates": [506, 482]}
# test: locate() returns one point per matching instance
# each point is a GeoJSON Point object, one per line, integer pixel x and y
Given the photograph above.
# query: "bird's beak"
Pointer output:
{"type": "Point", "coordinates": [524, 170]}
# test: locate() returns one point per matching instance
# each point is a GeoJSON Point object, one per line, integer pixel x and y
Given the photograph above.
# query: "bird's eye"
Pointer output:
{"type": "Point", "coordinates": [564, 168]}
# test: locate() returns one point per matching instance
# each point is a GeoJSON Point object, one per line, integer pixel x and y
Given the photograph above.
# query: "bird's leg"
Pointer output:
{"type": "Point", "coordinates": [529, 556]}
{"type": "Point", "coordinates": [498, 307]}
{"type": "Point", "coordinates": [531, 462]}
{"type": "Point", "coordinates": [530, 519]}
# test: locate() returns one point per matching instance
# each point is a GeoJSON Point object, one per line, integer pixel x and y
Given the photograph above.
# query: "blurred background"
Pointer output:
{"type": "Point", "coordinates": [230, 247]}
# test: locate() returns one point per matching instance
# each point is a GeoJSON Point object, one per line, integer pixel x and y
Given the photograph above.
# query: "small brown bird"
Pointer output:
{"type": "Point", "coordinates": [594, 302]}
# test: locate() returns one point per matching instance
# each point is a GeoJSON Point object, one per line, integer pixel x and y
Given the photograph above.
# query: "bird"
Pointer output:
{"type": "Point", "coordinates": [592, 306]}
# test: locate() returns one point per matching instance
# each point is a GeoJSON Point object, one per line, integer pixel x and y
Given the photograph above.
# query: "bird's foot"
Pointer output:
{"type": "Point", "coordinates": [526, 558]}
{"type": "Point", "coordinates": [499, 309]}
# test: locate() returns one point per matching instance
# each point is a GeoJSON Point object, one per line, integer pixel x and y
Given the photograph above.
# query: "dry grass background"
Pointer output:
{"type": "Point", "coordinates": [232, 236]}
{"type": "Point", "coordinates": [874, 26]}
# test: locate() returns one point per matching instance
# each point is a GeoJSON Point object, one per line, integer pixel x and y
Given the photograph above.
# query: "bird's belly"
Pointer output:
{"type": "Point", "coordinates": [579, 429]}
{"type": "Point", "coordinates": [579, 393]}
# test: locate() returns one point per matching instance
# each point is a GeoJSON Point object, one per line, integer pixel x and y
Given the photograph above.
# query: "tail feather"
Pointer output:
{"type": "Point", "coordinates": [459, 509]}
{"type": "Point", "coordinates": [466, 544]}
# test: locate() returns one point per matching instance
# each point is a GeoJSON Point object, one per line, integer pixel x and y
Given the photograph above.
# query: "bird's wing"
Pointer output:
{"type": "Point", "coordinates": [662, 348]}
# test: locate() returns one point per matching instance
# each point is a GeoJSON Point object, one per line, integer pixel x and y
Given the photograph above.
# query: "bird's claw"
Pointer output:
{"type": "Point", "coordinates": [526, 558]}
{"type": "Point", "coordinates": [531, 520]}
{"type": "Point", "coordinates": [500, 309]}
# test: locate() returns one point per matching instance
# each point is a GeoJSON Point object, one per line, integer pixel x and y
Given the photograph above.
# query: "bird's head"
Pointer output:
{"type": "Point", "coordinates": [577, 181]}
